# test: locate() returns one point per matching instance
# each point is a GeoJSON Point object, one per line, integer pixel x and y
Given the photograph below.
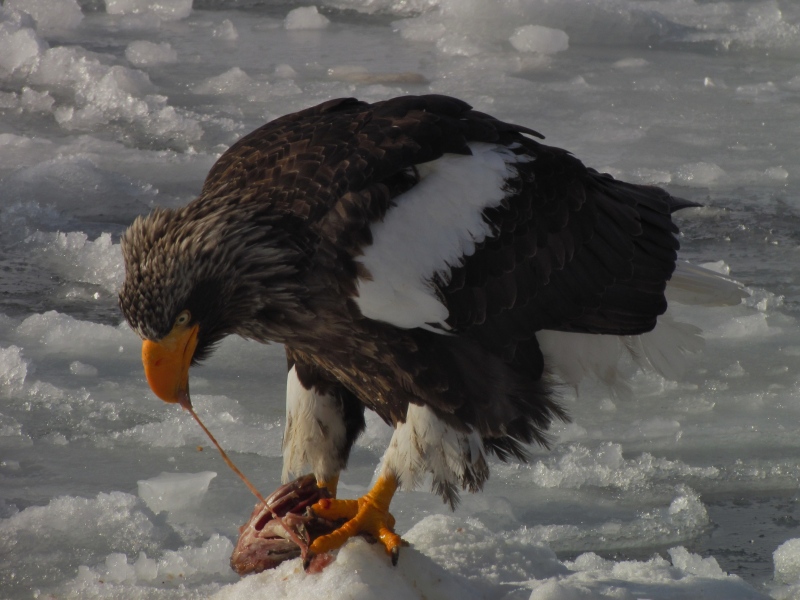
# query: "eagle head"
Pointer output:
{"type": "Point", "coordinates": [193, 277]}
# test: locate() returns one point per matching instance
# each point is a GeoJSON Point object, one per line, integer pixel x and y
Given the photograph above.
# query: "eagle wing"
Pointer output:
{"type": "Point", "coordinates": [570, 250]}
{"type": "Point", "coordinates": [575, 251]}
{"type": "Point", "coordinates": [565, 248]}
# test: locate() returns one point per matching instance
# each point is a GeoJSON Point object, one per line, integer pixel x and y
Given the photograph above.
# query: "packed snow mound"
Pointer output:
{"type": "Point", "coordinates": [91, 92]}
{"type": "Point", "coordinates": [50, 15]}
{"type": "Point", "coordinates": [305, 17]}
{"type": "Point", "coordinates": [360, 569]}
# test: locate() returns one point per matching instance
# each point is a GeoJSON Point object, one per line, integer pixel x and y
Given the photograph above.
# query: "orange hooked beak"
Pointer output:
{"type": "Point", "coordinates": [166, 364]}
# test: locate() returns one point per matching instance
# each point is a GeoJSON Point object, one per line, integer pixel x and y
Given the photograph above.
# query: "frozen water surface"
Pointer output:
{"type": "Point", "coordinates": [658, 489]}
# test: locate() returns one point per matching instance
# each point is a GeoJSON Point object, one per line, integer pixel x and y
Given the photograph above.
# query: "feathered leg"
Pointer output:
{"type": "Point", "coordinates": [323, 420]}
{"type": "Point", "coordinates": [422, 444]}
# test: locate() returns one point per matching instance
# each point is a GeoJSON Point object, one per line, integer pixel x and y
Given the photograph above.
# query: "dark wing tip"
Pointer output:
{"type": "Point", "coordinates": [676, 204]}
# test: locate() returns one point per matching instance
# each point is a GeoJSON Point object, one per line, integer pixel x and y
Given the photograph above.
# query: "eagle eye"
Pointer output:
{"type": "Point", "coordinates": [183, 318]}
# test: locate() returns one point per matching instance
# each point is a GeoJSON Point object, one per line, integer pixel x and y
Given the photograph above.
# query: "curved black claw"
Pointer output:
{"type": "Point", "coordinates": [395, 555]}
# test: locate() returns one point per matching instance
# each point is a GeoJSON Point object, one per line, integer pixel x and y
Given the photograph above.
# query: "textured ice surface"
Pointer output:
{"type": "Point", "coordinates": [535, 38]}
{"type": "Point", "coordinates": [306, 17]}
{"type": "Point", "coordinates": [91, 92]}
{"type": "Point", "coordinates": [232, 81]}
{"type": "Point", "coordinates": [50, 15]}
{"type": "Point", "coordinates": [164, 9]}
{"type": "Point", "coordinates": [19, 42]}
{"type": "Point", "coordinates": [658, 489]}
{"type": "Point", "coordinates": [148, 54]}
{"type": "Point", "coordinates": [787, 561]}
{"type": "Point", "coordinates": [175, 491]}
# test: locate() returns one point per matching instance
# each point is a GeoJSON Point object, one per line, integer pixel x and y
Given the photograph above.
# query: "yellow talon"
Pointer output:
{"type": "Point", "coordinates": [369, 514]}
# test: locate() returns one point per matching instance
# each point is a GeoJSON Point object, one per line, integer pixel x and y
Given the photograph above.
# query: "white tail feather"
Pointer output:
{"type": "Point", "coordinates": [697, 286]}
{"type": "Point", "coordinates": [575, 356]}
{"type": "Point", "coordinates": [664, 349]}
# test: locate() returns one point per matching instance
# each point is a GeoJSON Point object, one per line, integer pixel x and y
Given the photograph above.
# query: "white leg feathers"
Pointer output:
{"type": "Point", "coordinates": [426, 444]}
{"type": "Point", "coordinates": [315, 433]}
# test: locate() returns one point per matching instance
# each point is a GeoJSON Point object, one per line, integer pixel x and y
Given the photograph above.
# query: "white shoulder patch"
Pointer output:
{"type": "Point", "coordinates": [431, 228]}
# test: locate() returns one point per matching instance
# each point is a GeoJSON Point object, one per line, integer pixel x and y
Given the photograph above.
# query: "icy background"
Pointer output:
{"type": "Point", "coordinates": [664, 490]}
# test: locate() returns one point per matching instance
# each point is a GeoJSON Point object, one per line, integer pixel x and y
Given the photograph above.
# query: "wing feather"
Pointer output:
{"type": "Point", "coordinates": [565, 248]}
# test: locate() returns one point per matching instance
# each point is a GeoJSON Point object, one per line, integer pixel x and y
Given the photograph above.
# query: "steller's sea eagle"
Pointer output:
{"type": "Point", "coordinates": [412, 255]}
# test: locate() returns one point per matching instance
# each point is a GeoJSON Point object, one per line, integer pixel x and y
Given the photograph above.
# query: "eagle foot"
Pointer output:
{"type": "Point", "coordinates": [367, 515]}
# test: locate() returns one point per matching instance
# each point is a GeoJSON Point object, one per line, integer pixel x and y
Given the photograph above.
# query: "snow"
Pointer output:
{"type": "Point", "coordinates": [787, 561]}
{"type": "Point", "coordinates": [50, 15]}
{"type": "Point", "coordinates": [364, 571]}
{"type": "Point", "coordinates": [232, 81]}
{"type": "Point", "coordinates": [306, 17]}
{"type": "Point", "coordinates": [175, 491]}
{"type": "Point", "coordinates": [147, 54]}
{"type": "Point", "coordinates": [96, 93]}
{"type": "Point", "coordinates": [658, 489]}
{"type": "Point", "coordinates": [13, 368]}
{"type": "Point", "coordinates": [535, 38]}
{"type": "Point", "coordinates": [700, 174]}
{"type": "Point", "coordinates": [169, 10]}
{"type": "Point", "coordinates": [226, 31]}
{"type": "Point", "coordinates": [19, 43]}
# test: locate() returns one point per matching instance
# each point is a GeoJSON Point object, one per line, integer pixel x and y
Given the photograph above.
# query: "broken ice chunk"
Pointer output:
{"type": "Point", "coordinates": [175, 491]}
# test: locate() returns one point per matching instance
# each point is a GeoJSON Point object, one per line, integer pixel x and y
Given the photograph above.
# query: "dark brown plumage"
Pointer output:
{"type": "Point", "coordinates": [273, 249]}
